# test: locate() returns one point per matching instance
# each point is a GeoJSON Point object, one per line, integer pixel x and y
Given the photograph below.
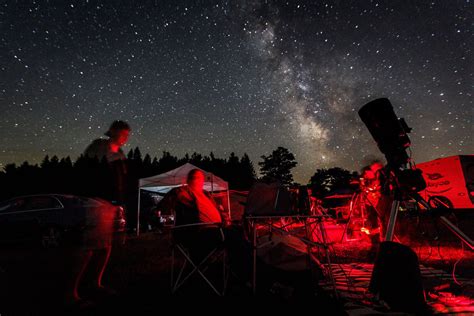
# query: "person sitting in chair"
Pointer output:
{"type": "Point", "coordinates": [194, 208]}
{"type": "Point", "coordinates": [192, 204]}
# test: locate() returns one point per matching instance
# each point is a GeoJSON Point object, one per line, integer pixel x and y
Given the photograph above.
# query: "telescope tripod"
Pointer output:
{"type": "Point", "coordinates": [359, 212]}
{"type": "Point", "coordinates": [442, 208]}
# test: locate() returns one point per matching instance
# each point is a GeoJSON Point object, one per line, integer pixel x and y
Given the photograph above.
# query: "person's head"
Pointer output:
{"type": "Point", "coordinates": [196, 179]}
{"type": "Point", "coordinates": [119, 131]}
{"type": "Point", "coordinates": [367, 173]}
{"type": "Point", "coordinates": [376, 165]}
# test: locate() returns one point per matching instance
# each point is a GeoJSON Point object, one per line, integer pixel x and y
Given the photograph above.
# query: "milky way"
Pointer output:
{"type": "Point", "coordinates": [235, 76]}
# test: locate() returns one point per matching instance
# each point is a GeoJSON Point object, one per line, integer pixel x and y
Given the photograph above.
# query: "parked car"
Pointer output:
{"type": "Point", "coordinates": [53, 219]}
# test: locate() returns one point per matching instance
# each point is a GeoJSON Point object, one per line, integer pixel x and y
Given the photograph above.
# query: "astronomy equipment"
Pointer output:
{"type": "Point", "coordinates": [390, 134]}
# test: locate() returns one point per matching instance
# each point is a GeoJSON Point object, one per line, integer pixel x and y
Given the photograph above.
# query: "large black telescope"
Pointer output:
{"type": "Point", "coordinates": [389, 132]}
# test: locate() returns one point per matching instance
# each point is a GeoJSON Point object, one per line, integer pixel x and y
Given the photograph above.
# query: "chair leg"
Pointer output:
{"type": "Point", "coordinates": [180, 282]}
{"type": "Point", "coordinates": [197, 268]}
{"type": "Point", "coordinates": [224, 272]}
{"type": "Point", "coordinates": [176, 284]}
{"type": "Point", "coordinates": [172, 269]}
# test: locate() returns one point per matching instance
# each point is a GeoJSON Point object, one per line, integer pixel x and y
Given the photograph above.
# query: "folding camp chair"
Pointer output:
{"type": "Point", "coordinates": [185, 242]}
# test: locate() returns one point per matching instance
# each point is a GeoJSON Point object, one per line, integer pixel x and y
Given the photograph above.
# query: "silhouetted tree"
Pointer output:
{"type": "Point", "coordinates": [278, 165]}
{"type": "Point", "coordinates": [327, 181]}
{"type": "Point", "coordinates": [66, 163]}
{"type": "Point", "coordinates": [196, 159]}
{"type": "Point", "coordinates": [137, 155]}
{"type": "Point", "coordinates": [218, 166]}
{"type": "Point", "coordinates": [206, 163]}
{"type": "Point", "coordinates": [45, 162]}
{"type": "Point", "coordinates": [130, 154]}
{"type": "Point", "coordinates": [146, 166]}
{"type": "Point", "coordinates": [94, 178]}
{"type": "Point", "coordinates": [167, 162]}
{"type": "Point", "coordinates": [184, 160]}
{"type": "Point", "coordinates": [248, 176]}
{"type": "Point", "coordinates": [232, 170]}
{"type": "Point", "coordinates": [154, 166]}
{"type": "Point", "coordinates": [54, 163]}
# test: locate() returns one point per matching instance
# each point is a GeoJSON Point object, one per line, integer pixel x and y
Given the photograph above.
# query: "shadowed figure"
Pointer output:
{"type": "Point", "coordinates": [96, 246]}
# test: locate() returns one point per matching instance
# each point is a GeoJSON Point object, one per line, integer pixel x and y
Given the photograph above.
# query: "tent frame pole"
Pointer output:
{"type": "Point", "coordinates": [138, 212]}
{"type": "Point", "coordinates": [228, 202]}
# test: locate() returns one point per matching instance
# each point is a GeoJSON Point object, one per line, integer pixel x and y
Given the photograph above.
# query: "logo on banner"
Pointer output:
{"type": "Point", "coordinates": [434, 186]}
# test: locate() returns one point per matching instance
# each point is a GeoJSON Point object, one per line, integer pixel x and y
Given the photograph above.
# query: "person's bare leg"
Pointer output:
{"type": "Point", "coordinates": [79, 267]}
{"type": "Point", "coordinates": [102, 258]}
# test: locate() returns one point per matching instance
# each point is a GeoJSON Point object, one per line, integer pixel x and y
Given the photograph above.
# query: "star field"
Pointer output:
{"type": "Point", "coordinates": [241, 76]}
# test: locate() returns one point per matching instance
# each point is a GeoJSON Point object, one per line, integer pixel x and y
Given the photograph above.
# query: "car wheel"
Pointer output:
{"type": "Point", "coordinates": [51, 237]}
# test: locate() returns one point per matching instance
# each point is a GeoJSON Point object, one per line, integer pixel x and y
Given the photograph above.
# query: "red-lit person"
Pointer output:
{"type": "Point", "coordinates": [385, 199]}
{"type": "Point", "coordinates": [193, 205]}
{"type": "Point", "coordinates": [370, 188]}
{"type": "Point", "coordinates": [98, 232]}
{"type": "Point", "coordinates": [377, 202]}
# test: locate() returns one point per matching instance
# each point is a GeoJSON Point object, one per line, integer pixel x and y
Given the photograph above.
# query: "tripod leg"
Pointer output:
{"type": "Point", "coordinates": [392, 220]}
{"type": "Point", "coordinates": [353, 203]}
{"type": "Point", "coordinates": [456, 231]}
{"type": "Point", "coordinates": [453, 228]}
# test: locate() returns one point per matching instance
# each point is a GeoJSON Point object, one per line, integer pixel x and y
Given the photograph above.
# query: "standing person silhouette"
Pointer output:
{"type": "Point", "coordinates": [97, 237]}
{"type": "Point", "coordinates": [111, 150]}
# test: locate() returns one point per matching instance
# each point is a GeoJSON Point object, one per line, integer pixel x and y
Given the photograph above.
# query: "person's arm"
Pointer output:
{"type": "Point", "coordinates": [224, 215]}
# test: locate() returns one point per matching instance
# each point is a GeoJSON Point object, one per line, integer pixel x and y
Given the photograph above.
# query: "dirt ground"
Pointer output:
{"type": "Point", "coordinates": [32, 279]}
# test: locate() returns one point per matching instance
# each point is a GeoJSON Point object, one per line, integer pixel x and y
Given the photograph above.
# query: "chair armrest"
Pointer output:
{"type": "Point", "coordinates": [182, 228]}
{"type": "Point", "coordinates": [217, 225]}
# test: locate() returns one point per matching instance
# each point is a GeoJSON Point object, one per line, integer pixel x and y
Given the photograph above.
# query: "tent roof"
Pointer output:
{"type": "Point", "coordinates": [164, 182]}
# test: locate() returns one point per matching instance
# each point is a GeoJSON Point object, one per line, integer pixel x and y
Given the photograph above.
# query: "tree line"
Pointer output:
{"type": "Point", "coordinates": [90, 177]}
{"type": "Point", "coordinates": [324, 182]}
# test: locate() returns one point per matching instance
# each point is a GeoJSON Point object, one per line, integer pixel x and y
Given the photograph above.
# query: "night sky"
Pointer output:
{"type": "Point", "coordinates": [241, 76]}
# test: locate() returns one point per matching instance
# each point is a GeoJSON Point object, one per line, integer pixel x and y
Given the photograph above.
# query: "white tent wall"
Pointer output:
{"type": "Point", "coordinates": [165, 182]}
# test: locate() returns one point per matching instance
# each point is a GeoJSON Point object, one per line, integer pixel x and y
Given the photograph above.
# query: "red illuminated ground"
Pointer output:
{"type": "Point", "coordinates": [139, 271]}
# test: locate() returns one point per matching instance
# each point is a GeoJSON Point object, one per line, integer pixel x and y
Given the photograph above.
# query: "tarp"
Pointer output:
{"type": "Point", "coordinates": [284, 251]}
{"type": "Point", "coordinates": [163, 183]}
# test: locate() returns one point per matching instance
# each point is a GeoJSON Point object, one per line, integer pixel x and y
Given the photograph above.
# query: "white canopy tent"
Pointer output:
{"type": "Point", "coordinates": [165, 182]}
